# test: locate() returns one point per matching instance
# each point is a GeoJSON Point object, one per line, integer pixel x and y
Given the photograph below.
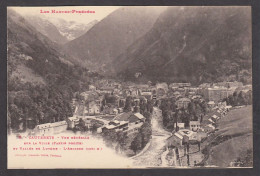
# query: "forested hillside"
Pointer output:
{"type": "Point", "coordinates": [192, 44]}
{"type": "Point", "coordinates": [41, 82]}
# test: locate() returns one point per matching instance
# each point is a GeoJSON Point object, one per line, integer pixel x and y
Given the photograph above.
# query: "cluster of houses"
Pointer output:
{"type": "Point", "coordinates": [182, 92]}
{"type": "Point", "coordinates": [127, 122]}
{"type": "Point", "coordinates": [110, 112]}
{"type": "Point", "coordinates": [197, 131]}
{"type": "Point", "coordinates": [200, 129]}
{"type": "Point", "coordinates": [218, 91]}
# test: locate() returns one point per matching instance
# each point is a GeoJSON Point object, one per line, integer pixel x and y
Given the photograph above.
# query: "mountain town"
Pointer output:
{"type": "Point", "coordinates": [123, 114]}
{"type": "Point", "coordinates": [170, 104]}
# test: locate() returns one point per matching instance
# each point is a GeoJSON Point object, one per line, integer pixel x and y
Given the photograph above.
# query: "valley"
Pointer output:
{"type": "Point", "coordinates": [158, 86]}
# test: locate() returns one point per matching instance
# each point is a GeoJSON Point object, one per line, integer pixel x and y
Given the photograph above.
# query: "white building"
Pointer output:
{"type": "Point", "coordinates": [51, 128]}
{"type": "Point", "coordinates": [194, 125]}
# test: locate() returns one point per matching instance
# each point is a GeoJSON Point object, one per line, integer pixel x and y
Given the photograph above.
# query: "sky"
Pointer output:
{"type": "Point", "coordinates": [100, 12]}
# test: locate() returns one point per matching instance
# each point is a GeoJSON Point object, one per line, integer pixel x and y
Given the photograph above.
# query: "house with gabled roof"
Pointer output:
{"type": "Point", "coordinates": [116, 126]}
{"type": "Point", "coordinates": [135, 120]}
{"type": "Point", "coordinates": [175, 140]}
{"type": "Point", "coordinates": [209, 128]}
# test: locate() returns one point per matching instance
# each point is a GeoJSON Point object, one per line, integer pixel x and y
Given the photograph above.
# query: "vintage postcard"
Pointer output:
{"type": "Point", "coordinates": [129, 87]}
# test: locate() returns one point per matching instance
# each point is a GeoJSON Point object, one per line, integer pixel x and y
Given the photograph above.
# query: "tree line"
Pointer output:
{"type": "Point", "coordinates": [239, 98]}
{"type": "Point", "coordinates": [171, 114]}
{"type": "Point", "coordinates": [121, 141]}
{"type": "Point", "coordinates": [30, 104]}
{"type": "Point", "coordinates": [144, 134]}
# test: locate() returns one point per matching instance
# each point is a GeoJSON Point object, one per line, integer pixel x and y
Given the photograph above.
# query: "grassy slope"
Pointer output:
{"type": "Point", "coordinates": [238, 125]}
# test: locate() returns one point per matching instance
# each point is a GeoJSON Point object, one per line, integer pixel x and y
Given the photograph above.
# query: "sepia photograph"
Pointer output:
{"type": "Point", "coordinates": [129, 87]}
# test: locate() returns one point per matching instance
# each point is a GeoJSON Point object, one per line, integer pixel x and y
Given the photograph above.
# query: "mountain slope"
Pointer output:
{"type": "Point", "coordinates": [46, 28]}
{"type": "Point", "coordinates": [195, 44]}
{"type": "Point", "coordinates": [28, 49]}
{"type": "Point", "coordinates": [112, 35]}
{"type": "Point", "coordinates": [30, 52]}
{"type": "Point", "coordinates": [41, 80]}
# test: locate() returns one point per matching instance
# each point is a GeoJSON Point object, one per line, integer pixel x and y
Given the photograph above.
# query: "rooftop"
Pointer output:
{"type": "Point", "coordinates": [139, 116]}
{"type": "Point", "coordinates": [184, 99]}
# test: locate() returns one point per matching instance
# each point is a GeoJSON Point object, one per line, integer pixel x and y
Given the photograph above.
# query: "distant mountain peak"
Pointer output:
{"type": "Point", "coordinates": [72, 29]}
{"type": "Point", "coordinates": [43, 25]}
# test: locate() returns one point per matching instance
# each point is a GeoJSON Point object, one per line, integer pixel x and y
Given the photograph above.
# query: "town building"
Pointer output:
{"type": "Point", "coordinates": [106, 90]}
{"type": "Point", "coordinates": [209, 128]}
{"type": "Point", "coordinates": [182, 137]}
{"type": "Point", "coordinates": [180, 125]}
{"type": "Point", "coordinates": [211, 104]}
{"type": "Point", "coordinates": [92, 88]}
{"type": "Point", "coordinates": [196, 97]}
{"type": "Point", "coordinates": [50, 128]}
{"type": "Point", "coordinates": [135, 120]}
{"type": "Point", "coordinates": [92, 108]}
{"type": "Point", "coordinates": [183, 103]}
{"type": "Point", "coordinates": [216, 94]}
{"type": "Point", "coordinates": [179, 85]}
{"type": "Point", "coordinates": [175, 140]}
{"type": "Point", "coordinates": [121, 102]}
{"type": "Point", "coordinates": [211, 121]}
{"type": "Point", "coordinates": [195, 125]}
{"type": "Point", "coordinates": [115, 111]}
{"type": "Point", "coordinates": [72, 122]}
{"type": "Point", "coordinates": [116, 126]}
{"type": "Point", "coordinates": [137, 102]}
{"type": "Point", "coordinates": [215, 118]}
{"type": "Point", "coordinates": [161, 89]}
{"type": "Point", "coordinates": [147, 95]}
{"type": "Point", "coordinates": [229, 84]}
{"type": "Point", "coordinates": [190, 134]}
{"type": "Point", "coordinates": [176, 94]}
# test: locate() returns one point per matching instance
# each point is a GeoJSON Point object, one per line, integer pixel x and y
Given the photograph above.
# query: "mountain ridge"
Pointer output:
{"type": "Point", "coordinates": [72, 29]}
{"type": "Point", "coordinates": [191, 44]}
{"type": "Point", "coordinates": [111, 36]}
{"type": "Point", "coordinates": [46, 28]}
